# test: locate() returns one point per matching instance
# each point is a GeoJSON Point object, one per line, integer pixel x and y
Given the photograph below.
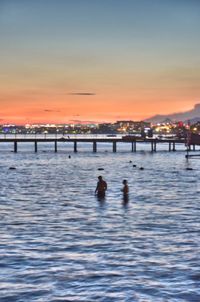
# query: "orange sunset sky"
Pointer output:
{"type": "Point", "coordinates": [97, 60]}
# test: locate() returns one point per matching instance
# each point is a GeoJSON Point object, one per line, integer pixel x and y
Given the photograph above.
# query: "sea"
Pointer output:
{"type": "Point", "coordinates": [59, 242]}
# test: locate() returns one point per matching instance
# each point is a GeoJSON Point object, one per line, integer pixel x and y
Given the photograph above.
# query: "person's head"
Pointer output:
{"type": "Point", "coordinates": [124, 182]}
{"type": "Point", "coordinates": [100, 177]}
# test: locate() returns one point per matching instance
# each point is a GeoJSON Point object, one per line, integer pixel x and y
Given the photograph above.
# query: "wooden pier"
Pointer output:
{"type": "Point", "coordinates": [152, 142]}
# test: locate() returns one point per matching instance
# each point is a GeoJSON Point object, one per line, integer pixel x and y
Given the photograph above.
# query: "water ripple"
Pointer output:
{"type": "Point", "coordinates": [59, 243]}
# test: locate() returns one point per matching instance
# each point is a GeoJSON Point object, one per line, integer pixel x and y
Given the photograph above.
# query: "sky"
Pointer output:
{"type": "Point", "coordinates": [97, 61]}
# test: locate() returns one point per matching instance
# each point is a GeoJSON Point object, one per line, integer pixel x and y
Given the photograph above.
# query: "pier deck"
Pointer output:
{"type": "Point", "coordinates": [153, 142]}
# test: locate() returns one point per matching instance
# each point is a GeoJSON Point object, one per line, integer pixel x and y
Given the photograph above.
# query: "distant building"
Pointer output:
{"type": "Point", "coordinates": [131, 126]}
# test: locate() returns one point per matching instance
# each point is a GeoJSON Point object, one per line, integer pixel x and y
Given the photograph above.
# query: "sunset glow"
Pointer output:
{"type": "Point", "coordinates": [98, 61]}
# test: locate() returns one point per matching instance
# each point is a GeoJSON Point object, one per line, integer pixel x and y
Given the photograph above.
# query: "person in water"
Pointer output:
{"type": "Point", "coordinates": [125, 190]}
{"type": "Point", "coordinates": [101, 187]}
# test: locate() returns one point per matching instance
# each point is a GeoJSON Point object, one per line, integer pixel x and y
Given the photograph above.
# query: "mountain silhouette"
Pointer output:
{"type": "Point", "coordinates": [193, 114]}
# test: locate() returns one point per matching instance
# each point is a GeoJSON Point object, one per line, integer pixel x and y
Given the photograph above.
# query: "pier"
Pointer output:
{"type": "Point", "coordinates": [152, 142]}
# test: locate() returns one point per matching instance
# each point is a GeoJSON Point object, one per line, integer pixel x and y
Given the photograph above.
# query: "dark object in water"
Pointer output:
{"type": "Point", "coordinates": [100, 169]}
{"type": "Point", "coordinates": [69, 156]}
{"type": "Point", "coordinates": [12, 168]}
{"type": "Point", "coordinates": [189, 169]}
{"type": "Point", "coordinates": [141, 168]}
{"type": "Point", "coordinates": [130, 161]}
{"type": "Point", "coordinates": [134, 166]}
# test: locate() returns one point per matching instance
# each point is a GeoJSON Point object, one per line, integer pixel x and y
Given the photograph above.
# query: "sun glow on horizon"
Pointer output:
{"type": "Point", "coordinates": [97, 61]}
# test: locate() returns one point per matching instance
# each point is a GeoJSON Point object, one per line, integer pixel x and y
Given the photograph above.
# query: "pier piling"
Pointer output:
{"type": "Point", "coordinates": [36, 146]}
{"type": "Point", "coordinates": [15, 146]}
{"type": "Point", "coordinates": [133, 149]}
{"type": "Point", "coordinates": [114, 147]}
{"type": "Point", "coordinates": [55, 146]}
{"type": "Point", "coordinates": [95, 146]}
{"type": "Point", "coordinates": [75, 146]}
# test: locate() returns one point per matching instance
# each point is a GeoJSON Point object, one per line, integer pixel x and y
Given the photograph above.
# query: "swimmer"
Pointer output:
{"type": "Point", "coordinates": [125, 190]}
{"type": "Point", "coordinates": [101, 187]}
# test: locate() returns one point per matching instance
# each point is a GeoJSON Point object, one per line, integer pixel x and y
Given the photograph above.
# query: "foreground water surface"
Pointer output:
{"type": "Point", "coordinates": [59, 243]}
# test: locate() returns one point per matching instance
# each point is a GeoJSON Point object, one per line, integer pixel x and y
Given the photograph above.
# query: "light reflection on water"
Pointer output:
{"type": "Point", "coordinates": [59, 243]}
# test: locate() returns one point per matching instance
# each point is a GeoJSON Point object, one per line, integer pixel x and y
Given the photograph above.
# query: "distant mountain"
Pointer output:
{"type": "Point", "coordinates": [192, 115]}
{"type": "Point", "coordinates": [195, 120]}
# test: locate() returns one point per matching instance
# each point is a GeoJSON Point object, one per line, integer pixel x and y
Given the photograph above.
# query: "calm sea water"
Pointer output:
{"type": "Point", "coordinates": [59, 243]}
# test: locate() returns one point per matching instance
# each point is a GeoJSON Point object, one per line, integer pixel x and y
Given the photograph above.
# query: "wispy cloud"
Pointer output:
{"type": "Point", "coordinates": [83, 122]}
{"type": "Point", "coordinates": [82, 93]}
{"type": "Point", "coordinates": [49, 110]}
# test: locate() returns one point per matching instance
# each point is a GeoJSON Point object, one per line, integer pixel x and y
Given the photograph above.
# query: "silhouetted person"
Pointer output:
{"type": "Point", "coordinates": [101, 187]}
{"type": "Point", "coordinates": [125, 191]}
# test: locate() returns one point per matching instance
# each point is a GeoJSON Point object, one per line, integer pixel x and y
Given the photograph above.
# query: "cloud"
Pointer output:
{"type": "Point", "coordinates": [48, 110]}
{"type": "Point", "coordinates": [82, 93]}
{"type": "Point", "coordinates": [82, 122]}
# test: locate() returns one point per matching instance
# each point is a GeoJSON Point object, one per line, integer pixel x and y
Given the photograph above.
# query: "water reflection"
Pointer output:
{"type": "Point", "coordinates": [76, 246]}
